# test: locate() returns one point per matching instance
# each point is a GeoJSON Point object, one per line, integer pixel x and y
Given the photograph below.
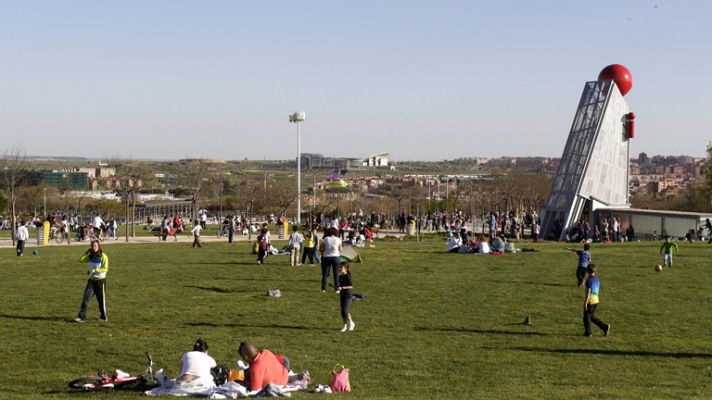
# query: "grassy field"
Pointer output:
{"type": "Point", "coordinates": [433, 325]}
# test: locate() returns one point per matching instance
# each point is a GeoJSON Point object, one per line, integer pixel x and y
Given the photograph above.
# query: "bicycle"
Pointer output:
{"type": "Point", "coordinates": [57, 234]}
{"type": "Point", "coordinates": [120, 380]}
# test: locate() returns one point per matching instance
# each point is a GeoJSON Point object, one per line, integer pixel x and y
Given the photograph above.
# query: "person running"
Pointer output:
{"type": "Point", "coordinates": [330, 249]}
{"type": "Point", "coordinates": [666, 251]}
{"type": "Point", "coordinates": [584, 259]}
{"type": "Point", "coordinates": [21, 235]}
{"type": "Point", "coordinates": [345, 288]}
{"type": "Point", "coordinates": [96, 285]}
{"type": "Point", "coordinates": [196, 234]}
{"type": "Point", "coordinates": [590, 303]}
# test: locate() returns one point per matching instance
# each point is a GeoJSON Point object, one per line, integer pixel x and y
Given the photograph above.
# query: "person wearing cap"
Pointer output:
{"type": "Point", "coordinates": [96, 285]}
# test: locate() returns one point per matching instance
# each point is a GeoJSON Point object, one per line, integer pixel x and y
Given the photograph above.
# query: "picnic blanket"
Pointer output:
{"type": "Point", "coordinates": [229, 390]}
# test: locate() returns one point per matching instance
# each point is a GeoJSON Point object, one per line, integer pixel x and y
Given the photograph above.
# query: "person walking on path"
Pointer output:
{"type": "Point", "coordinates": [295, 244]}
{"type": "Point", "coordinates": [330, 249]}
{"type": "Point", "coordinates": [345, 290]}
{"type": "Point", "coordinates": [590, 303]}
{"type": "Point", "coordinates": [666, 251]}
{"type": "Point", "coordinates": [21, 235]}
{"type": "Point", "coordinates": [196, 234]}
{"type": "Point", "coordinates": [96, 285]}
{"type": "Point", "coordinates": [584, 259]}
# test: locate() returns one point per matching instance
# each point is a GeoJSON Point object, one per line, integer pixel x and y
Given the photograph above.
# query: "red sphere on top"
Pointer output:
{"type": "Point", "coordinates": [620, 75]}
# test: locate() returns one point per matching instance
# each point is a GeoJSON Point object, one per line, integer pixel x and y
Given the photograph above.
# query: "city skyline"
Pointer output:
{"type": "Point", "coordinates": [420, 80]}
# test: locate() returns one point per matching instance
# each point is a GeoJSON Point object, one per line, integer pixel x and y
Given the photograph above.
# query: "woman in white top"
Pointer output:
{"type": "Point", "coordinates": [330, 249]}
{"type": "Point", "coordinates": [196, 365]}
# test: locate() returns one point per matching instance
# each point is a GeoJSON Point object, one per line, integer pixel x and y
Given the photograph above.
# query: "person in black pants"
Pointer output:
{"type": "Point", "coordinates": [590, 303]}
{"type": "Point", "coordinates": [330, 249]}
{"type": "Point", "coordinates": [96, 285]}
{"type": "Point", "coordinates": [345, 289]}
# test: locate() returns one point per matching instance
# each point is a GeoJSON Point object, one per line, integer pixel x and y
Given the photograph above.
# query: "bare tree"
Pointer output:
{"type": "Point", "coordinates": [193, 178]}
{"type": "Point", "coordinates": [12, 163]}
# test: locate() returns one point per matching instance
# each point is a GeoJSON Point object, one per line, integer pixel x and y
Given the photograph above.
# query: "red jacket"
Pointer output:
{"type": "Point", "coordinates": [265, 368]}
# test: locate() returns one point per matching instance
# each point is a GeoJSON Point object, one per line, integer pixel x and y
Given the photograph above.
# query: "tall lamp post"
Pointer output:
{"type": "Point", "coordinates": [298, 117]}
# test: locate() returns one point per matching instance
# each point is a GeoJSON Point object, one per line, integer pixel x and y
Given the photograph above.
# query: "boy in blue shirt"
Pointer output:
{"type": "Point", "coordinates": [584, 259]}
{"type": "Point", "coordinates": [590, 303]}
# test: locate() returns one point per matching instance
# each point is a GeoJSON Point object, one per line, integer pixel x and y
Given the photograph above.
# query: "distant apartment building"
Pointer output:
{"type": "Point", "coordinates": [66, 180]}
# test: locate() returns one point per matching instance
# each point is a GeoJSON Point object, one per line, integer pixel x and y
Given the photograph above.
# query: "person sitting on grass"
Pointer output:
{"type": "Point", "coordinates": [195, 369]}
{"type": "Point", "coordinates": [265, 367]}
{"type": "Point", "coordinates": [454, 243]}
{"type": "Point", "coordinates": [482, 245]}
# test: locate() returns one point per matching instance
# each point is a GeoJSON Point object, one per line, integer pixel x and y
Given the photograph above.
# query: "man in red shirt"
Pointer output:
{"type": "Point", "coordinates": [265, 367]}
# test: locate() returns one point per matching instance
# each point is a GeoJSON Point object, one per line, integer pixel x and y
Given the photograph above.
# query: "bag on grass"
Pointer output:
{"type": "Point", "coordinates": [340, 379]}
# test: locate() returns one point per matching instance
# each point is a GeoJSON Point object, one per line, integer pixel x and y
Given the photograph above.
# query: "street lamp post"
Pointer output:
{"type": "Point", "coordinates": [298, 117]}
{"type": "Point", "coordinates": [44, 197]}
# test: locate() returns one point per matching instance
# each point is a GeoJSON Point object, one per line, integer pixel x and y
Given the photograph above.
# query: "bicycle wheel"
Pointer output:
{"type": "Point", "coordinates": [89, 382]}
{"type": "Point", "coordinates": [59, 237]}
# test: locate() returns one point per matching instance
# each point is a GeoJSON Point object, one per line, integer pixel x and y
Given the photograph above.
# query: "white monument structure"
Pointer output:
{"type": "Point", "coordinates": [594, 167]}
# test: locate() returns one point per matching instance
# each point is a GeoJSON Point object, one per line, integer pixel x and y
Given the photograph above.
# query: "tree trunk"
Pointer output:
{"type": "Point", "coordinates": [126, 233]}
{"type": "Point", "coordinates": [14, 217]}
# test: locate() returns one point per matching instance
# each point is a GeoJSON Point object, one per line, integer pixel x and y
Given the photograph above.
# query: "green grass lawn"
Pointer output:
{"type": "Point", "coordinates": [433, 325]}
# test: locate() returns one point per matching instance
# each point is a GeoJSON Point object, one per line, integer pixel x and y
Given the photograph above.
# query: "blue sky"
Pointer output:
{"type": "Point", "coordinates": [423, 80]}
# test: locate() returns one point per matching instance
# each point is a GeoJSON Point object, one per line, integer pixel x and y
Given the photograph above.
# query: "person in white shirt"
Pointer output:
{"type": "Point", "coordinates": [195, 369]}
{"type": "Point", "coordinates": [21, 235]}
{"type": "Point", "coordinates": [295, 244]}
{"type": "Point", "coordinates": [96, 224]}
{"type": "Point", "coordinates": [330, 249]}
{"type": "Point", "coordinates": [454, 243]}
{"type": "Point", "coordinates": [196, 234]}
{"type": "Point", "coordinates": [203, 213]}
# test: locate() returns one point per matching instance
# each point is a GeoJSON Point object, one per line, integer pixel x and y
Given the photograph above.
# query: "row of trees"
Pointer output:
{"type": "Point", "coordinates": [260, 193]}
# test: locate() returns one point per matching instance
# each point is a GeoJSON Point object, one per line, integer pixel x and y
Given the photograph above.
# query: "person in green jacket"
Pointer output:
{"type": "Point", "coordinates": [96, 285]}
{"type": "Point", "coordinates": [666, 251]}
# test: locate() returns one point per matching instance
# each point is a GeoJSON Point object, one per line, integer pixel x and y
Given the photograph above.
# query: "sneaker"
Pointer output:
{"type": "Point", "coordinates": [608, 330]}
{"type": "Point", "coordinates": [345, 328]}
{"type": "Point", "coordinates": [323, 291]}
{"type": "Point", "coordinates": [79, 320]}
{"type": "Point", "coordinates": [338, 291]}
{"type": "Point", "coordinates": [105, 319]}
{"type": "Point", "coordinates": [352, 325]}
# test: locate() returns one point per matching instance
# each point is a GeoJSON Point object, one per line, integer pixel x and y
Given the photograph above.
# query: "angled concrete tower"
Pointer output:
{"type": "Point", "coordinates": [594, 167]}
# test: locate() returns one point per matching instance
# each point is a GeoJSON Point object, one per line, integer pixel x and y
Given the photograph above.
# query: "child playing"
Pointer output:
{"type": "Point", "coordinates": [345, 288]}
{"type": "Point", "coordinates": [196, 234]}
{"type": "Point", "coordinates": [262, 246]}
{"type": "Point", "coordinates": [584, 257]}
{"type": "Point", "coordinates": [590, 303]}
{"type": "Point", "coordinates": [666, 251]}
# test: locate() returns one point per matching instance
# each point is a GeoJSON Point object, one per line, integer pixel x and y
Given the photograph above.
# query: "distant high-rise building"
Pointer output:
{"type": "Point", "coordinates": [642, 158]}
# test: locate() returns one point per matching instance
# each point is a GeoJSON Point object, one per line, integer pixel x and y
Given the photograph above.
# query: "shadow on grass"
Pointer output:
{"type": "Point", "coordinates": [212, 289]}
{"type": "Point", "coordinates": [480, 331]}
{"type": "Point", "coordinates": [613, 352]}
{"type": "Point", "coordinates": [528, 283]}
{"type": "Point", "coordinates": [34, 318]}
{"type": "Point", "coordinates": [268, 326]}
